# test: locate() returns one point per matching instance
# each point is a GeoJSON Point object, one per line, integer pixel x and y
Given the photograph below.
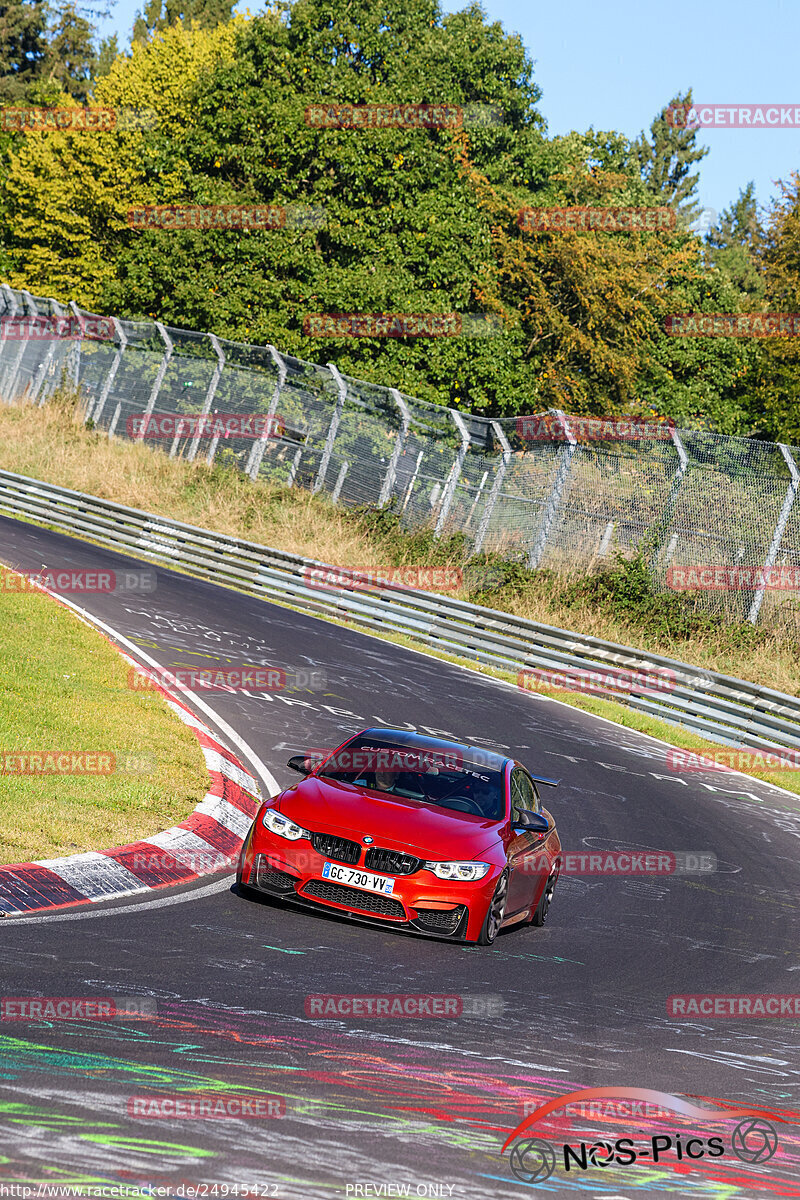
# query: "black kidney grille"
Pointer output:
{"type": "Point", "coordinates": [354, 898]}
{"type": "Point", "coordinates": [337, 848]}
{"type": "Point", "coordinates": [392, 862]}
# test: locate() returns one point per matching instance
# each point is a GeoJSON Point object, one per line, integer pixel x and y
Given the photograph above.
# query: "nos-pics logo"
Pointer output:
{"type": "Point", "coordinates": [753, 1140]}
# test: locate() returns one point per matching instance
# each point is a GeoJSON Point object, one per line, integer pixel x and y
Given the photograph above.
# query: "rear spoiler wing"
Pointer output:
{"type": "Point", "coordinates": [546, 780]}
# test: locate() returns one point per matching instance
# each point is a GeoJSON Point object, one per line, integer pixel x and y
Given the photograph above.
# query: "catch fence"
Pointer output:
{"type": "Point", "coordinates": [551, 489]}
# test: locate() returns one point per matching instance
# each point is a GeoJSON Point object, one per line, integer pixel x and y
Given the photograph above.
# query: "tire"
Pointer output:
{"type": "Point", "coordinates": [540, 915]}
{"type": "Point", "coordinates": [494, 913]}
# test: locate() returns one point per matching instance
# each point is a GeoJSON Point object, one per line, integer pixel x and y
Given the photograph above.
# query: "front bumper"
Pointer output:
{"type": "Point", "coordinates": [420, 902]}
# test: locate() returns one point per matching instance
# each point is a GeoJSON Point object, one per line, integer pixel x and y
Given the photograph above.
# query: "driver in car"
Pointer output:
{"type": "Point", "coordinates": [384, 779]}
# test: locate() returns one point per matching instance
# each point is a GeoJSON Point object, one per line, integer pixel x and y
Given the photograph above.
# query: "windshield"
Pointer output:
{"type": "Point", "coordinates": [444, 777]}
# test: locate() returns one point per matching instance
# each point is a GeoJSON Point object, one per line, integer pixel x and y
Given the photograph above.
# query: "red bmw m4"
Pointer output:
{"type": "Point", "coordinates": [433, 836]}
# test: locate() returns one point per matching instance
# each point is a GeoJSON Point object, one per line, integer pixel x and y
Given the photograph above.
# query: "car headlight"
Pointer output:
{"type": "Point", "coordinates": [276, 822]}
{"type": "Point", "coordinates": [467, 871]}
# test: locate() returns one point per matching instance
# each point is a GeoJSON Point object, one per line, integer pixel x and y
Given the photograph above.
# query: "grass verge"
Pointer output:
{"type": "Point", "coordinates": [66, 690]}
{"type": "Point", "coordinates": [617, 602]}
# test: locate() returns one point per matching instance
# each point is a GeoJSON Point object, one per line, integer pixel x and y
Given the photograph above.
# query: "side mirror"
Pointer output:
{"type": "Point", "coordinates": [304, 763]}
{"type": "Point", "coordinates": [532, 822]}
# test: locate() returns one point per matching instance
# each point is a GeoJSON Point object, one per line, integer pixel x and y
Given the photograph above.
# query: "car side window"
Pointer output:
{"type": "Point", "coordinates": [523, 793]}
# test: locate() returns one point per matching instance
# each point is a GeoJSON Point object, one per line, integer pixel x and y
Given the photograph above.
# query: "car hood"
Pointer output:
{"type": "Point", "coordinates": [328, 806]}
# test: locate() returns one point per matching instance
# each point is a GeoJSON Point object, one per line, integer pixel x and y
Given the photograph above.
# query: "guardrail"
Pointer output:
{"type": "Point", "coordinates": [720, 707]}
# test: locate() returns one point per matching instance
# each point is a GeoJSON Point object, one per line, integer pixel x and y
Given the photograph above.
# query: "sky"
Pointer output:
{"type": "Point", "coordinates": [614, 65]}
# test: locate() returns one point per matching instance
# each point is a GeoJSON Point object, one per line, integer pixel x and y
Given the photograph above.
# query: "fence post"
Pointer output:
{"type": "Point", "coordinates": [162, 370]}
{"type": "Point", "coordinates": [9, 316]}
{"type": "Point", "coordinates": [41, 373]}
{"type": "Point", "coordinates": [605, 540]}
{"type": "Point", "coordinates": [673, 541]}
{"type": "Point", "coordinates": [293, 465]}
{"type": "Point", "coordinates": [111, 373]}
{"type": "Point", "coordinates": [497, 483]}
{"type": "Point", "coordinates": [44, 366]}
{"type": "Point", "coordinates": [772, 553]}
{"type": "Point", "coordinates": [478, 494]}
{"type": "Point", "coordinates": [556, 495]}
{"type": "Point", "coordinates": [258, 448]}
{"type": "Point", "coordinates": [669, 508]}
{"type": "Point", "coordinates": [209, 400]}
{"type": "Point", "coordinates": [10, 302]}
{"type": "Point", "coordinates": [412, 481]}
{"type": "Point", "coordinates": [455, 473]}
{"type": "Point", "coordinates": [333, 428]}
{"type": "Point", "coordinates": [113, 426]}
{"type": "Point", "coordinates": [345, 467]}
{"type": "Point", "coordinates": [76, 345]}
{"type": "Point", "coordinates": [397, 450]}
{"type": "Point", "coordinates": [10, 377]}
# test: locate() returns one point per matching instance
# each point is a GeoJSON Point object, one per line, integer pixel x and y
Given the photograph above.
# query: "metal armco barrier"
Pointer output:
{"type": "Point", "coordinates": [723, 708]}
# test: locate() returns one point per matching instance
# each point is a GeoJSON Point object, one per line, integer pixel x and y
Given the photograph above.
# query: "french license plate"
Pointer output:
{"type": "Point", "coordinates": [358, 879]}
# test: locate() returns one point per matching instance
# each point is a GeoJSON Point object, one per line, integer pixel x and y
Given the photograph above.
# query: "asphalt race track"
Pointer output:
{"type": "Point", "coordinates": [375, 1106]}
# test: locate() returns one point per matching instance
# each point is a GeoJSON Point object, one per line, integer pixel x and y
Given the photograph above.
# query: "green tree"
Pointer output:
{"type": "Point", "coordinates": [70, 59]}
{"type": "Point", "coordinates": [415, 219]}
{"type": "Point", "coordinates": [403, 231]}
{"type": "Point", "coordinates": [107, 52]}
{"type": "Point", "coordinates": [67, 195]}
{"type": "Point", "coordinates": [779, 390]}
{"type": "Point", "coordinates": [736, 245]}
{"type": "Point", "coordinates": [160, 14]}
{"type": "Point", "coordinates": [23, 46]}
{"type": "Point", "coordinates": [666, 158]}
